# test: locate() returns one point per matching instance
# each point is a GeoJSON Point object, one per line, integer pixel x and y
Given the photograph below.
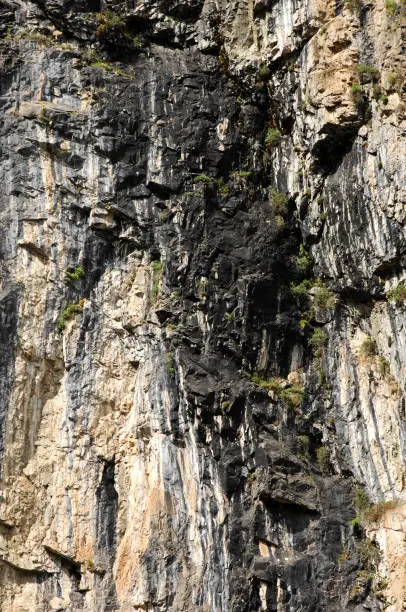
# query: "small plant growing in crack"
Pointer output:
{"type": "Point", "coordinates": [304, 261]}
{"type": "Point", "coordinates": [77, 274]}
{"type": "Point", "coordinates": [272, 137]}
{"type": "Point", "coordinates": [368, 347]}
{"type": "Point", "coordinates": [204, 178]}
{"type": "Point", "coordinates": [230, 316]}
{"type": "Point", "coordinates": [398, 294]}
{"type": "Point", "coordinates": [356, 92]}
{"type": "Point", "coordinates": [323, 296]}
{"type": "Point", "coordinates": [68, 312]}
{"type": "Point", "coordinates": [303, 446]}
{"type": "Point", "coordinates": [169, 364]}
{"type": "Point", "coordinates": [156, 277]}
{"type": "Point", "coordinates": [319, 340]}
{"type": "Point", "coordinates": [323, 459]}
{"type": "Point", "coordinates": [279, 202]}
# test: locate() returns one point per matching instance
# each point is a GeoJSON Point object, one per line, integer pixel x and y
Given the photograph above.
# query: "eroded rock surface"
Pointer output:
{"type": "Point", "coordinates": [202, 309]}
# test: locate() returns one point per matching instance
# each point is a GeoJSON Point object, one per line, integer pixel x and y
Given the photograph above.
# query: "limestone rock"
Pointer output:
{"type": "Point", "coordinates": [182, 425]}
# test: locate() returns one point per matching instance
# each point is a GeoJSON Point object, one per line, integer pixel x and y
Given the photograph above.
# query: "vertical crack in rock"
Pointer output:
{"type": "Point", "coordinates": [8, 333]}
{"type": "Point", "coordinates": [105, 538]}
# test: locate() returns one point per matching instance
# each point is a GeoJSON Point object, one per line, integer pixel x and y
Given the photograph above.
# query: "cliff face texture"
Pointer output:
{"type": "Point", "coordinates": [202, 305]}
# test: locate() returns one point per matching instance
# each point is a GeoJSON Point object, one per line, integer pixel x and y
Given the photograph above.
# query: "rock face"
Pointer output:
{"type": "Point", "coordinates": [202, 305]}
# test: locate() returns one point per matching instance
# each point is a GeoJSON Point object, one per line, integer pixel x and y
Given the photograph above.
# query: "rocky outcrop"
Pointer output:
{"type": "Point", "coordinates": [202, 306]}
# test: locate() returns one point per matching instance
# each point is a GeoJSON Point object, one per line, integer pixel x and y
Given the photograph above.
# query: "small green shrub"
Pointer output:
{"type": "Point", "coordinates": [223, 187]}
{"type": "Point", "coordinates": [369, 71]}
{"type": "Point", "coordinates": [392, 7]}
{"type": "Point", "coordinates": [273, 136]}
{"type": "Point", "coordinates": [368, 347]}
{"type": "Point", "coordinates": [280, 222]}
{"type": "Point", "coordinates": [241, 174]}
{"type": "Point", "coordinates": [303, 445]}
{"type": "Point", "coordinates": [121, 73]}
{"type": "Point", "coordinates": [40, 39]}
{"type": "Point", "coordinates": [369, 553]}
{"type": "Point", "coordinates": [224, 61]}
{"type": "Point", "coordinates": [169, 364]}
{"type": "Point", "coordinates": [382, 584]}
{"type": "Point", "coordinates": [137, 42]}
{"type": "Point", "coordinates": [112, 27]}
{"type": "Point", "coordinates": [156, 277]}
{"type": "Point", "coordinates": [392, 79]}
{"type": "Point", "coordinates": [279, 202]}
{"type": "Point", "coordinates": [322, 375]}
{"type": "Point", "coordinates": [367, 512]}
{"type": "Point", "coordinates": [169, 327]}
{"type": "Point", "coordinates": [203, 178]}
{"type": "Point", "coordinates": [366, 574]}
{"type": "Point", "coordinates": [90, 56]}
{"type": "Point", "coordinates": [397, 295]}
{"type": "Point", "coordinates": [356, 92]}
{"type": "Point", "coordinates": [43, 117]}
{"type": "Point", "coordinates": [101, 64]}
{"type": "Point", "coordinates": [264, 72]}
{"type": "Point", "coordinates": [300, 292]}
{"type": "Point", "coordinates": [361, 500]}
{"type": "Point", "coordinates": [68, 312]}
{"type": "Point", "coordinates": [323, 459]}
{"type": "Point", "coordinates": [304, 261]}
{"type": "Point", "coordinates": [89, 565]}
{"type": "Point", "coordinates": [324, 296]}
{"type": "Point", "coordinates": [109, 20]}
{"type": "Point", "coordinates": [318, 340]}
{"type": "Point", "coordinates": [272, 383]}
{"type": "Point", "coordinates": [384, 367]}
{"type": "Point", "coordinates": [356, 522]}
{"type": "Point", "coordinates": [292, 397]}
{"type": "Point", "coordinates": [230, 317]}
{"type": "Point", "coordinates": [77, 274]}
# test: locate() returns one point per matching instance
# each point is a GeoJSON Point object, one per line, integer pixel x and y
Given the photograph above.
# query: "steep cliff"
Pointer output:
{"type": "Point", "coordinates": [202, 305]}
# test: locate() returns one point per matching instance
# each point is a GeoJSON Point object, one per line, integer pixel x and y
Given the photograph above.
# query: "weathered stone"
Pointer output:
{"type": "Point", "coordinates": [179, 429]}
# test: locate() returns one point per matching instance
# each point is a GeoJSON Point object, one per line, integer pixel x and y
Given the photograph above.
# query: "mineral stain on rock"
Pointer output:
{"type": "Point", "coordinates": [202, 303]}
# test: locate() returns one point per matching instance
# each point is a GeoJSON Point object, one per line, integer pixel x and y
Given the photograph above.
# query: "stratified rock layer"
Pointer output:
{"type": "Point", "coordinates": [202, 343]}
